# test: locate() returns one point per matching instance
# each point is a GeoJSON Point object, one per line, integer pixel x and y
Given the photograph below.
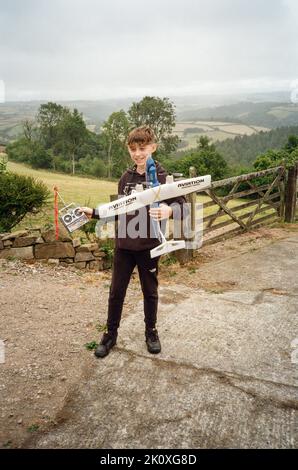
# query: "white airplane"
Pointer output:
{"type": "Point", "coordinates": [144, 197]}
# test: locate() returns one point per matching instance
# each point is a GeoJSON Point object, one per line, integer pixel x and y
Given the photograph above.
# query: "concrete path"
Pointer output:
{"type": "Point", "coordinates": [226, 377]}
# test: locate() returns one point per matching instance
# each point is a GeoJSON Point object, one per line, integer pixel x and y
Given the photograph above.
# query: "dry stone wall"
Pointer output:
{"type": "Point", "coordinates": [41, 245]}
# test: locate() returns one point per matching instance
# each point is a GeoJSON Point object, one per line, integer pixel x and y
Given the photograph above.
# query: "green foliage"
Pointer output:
{"type": "Point", "coordinates": [59, 139]}
{"type": "Point", "coordinates": [101, 327]}
{"type": "Point", "coordinates": [287, 156]}
{"type": "Point", "coordinates": [263, 114]}
{"type": "Point", "coordinates": [159, 114]}
{"type": "Point", "coordinates": [168, 260]}
{"type": "Point", "coordinates": [19, 195]}
{"type": "Point", "coordinates": [73, 134]}
{"type": "Point", "coordinates": [115, 131]}
{"type": "Point", "coordinates": [89, 228]}
{"type": "Point", "coordinates": [193, 130]}
{"type": "Point", "coordinates": [204, 158]}
{"type": "Point", "coordinates": [3, 163]}
{"type": "Point", "coordinates": [55, 141]}
{"type": "Point", "coordinates": [50, 119]}
{"type": "Point", "coordinates": [242, 151]}
{"type": "Point", "coordinates": [33, 428]}
{"type": "Point", "coordinates": [107, 246]}
{"type": "Point", "coordinates": [38, 156]}
{"type": "Point", "coordinates": [91, 345]}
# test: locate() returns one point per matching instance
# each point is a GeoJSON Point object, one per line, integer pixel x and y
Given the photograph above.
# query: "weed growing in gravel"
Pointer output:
{"type": "Point", "coordinates": [90, 346]}
{"type": "Point", "coordinates": [101, 327]}
{"type": "Point", "coordinates": [33, 428]}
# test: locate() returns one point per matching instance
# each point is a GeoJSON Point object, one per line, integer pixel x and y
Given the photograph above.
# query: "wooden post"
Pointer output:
{"type": "Point", "coordinates": [187, 255]}
{"type": "Point", "coordinates": [291, 194]}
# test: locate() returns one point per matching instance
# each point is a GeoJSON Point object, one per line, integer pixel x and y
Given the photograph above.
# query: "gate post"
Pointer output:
{"type": "Point", "coordinates": [291, 194]}
{"type": "Point", "coordinates": [187, 254]}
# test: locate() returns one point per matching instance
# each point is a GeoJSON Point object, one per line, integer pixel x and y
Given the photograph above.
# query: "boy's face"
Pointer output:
{"type": "Point", "coordinates": [140, 152]}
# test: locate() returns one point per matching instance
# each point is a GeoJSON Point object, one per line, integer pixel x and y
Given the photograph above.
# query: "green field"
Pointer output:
{"type": "Point", "coordinates": [83, 191]}
{"type": "Point", "coordinates": [91, 192]}
{"type": "Point", "coordinates": [215, 130]}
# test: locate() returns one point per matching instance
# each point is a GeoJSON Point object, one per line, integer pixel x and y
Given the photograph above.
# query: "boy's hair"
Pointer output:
{"type": "Point", "coordinates": [141, 135]}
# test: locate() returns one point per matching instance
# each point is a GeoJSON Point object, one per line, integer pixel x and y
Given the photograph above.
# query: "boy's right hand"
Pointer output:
{"type": "Point", "coordinates": [87, 210]}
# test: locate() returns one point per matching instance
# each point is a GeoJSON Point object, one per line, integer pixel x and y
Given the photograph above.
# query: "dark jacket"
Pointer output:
{"type": "Point", "coordinates": [146, 241]}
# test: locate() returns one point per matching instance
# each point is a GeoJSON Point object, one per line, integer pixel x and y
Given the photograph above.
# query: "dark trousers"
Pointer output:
{"type": "Point", "coordinates": [124, 264]}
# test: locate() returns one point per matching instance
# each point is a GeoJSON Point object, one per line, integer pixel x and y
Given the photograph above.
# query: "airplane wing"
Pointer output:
{"type": "Point", "coordinates": [138, 199]}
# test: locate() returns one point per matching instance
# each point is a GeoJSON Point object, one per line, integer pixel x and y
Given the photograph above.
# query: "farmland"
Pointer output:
{"type": "Point", "coordinates": [215, 130]}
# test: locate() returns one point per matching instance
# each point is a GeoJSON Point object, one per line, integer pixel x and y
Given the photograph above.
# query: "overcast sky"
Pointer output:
{"type": "Point", "coordinates": [96, 49]}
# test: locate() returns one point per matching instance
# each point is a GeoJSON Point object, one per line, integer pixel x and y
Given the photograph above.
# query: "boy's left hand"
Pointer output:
{"type": "Point", "coordinates": [162, 212]}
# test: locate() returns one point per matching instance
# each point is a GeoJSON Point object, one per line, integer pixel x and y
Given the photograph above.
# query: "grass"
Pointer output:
{"type": "Point", "coordinates": [83, 191]}
{"type": "Point", "coordinates": [33, 428]}
{"type": "Point", "coordinates": [230, 204]}
{"type": "Point", "coordinates": [90, 346]}
{"type": "Point", "coordinates": [90, 192]}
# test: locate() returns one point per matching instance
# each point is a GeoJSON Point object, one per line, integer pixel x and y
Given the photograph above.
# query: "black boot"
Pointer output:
{"type": "Point", "coordinates": [152, 341]}
{"type": "Point", "coordinates": [107, 342]}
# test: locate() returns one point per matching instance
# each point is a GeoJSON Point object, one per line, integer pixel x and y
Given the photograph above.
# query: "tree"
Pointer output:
{"type": "Point", "coordinates": [288, 156]}
{"type": "Point", "coordinates": [49, 119]}
{"type": "Point", "coordinates": [30, 151]}
{"type": "Point", "coordinates": [73, 133]}
{"type": "Point", "coordinates": [159, 114]}
{"type": "Point", "coordinates": [19, 195]}
{"type": "Point", "coordinates": [205, 158]}
{"type": "Point", "coordinates": [115, 131]}
{"type": "Point", "coordinates": [206, 162]}
{"type": "Point", "coordinates": [30, 131]}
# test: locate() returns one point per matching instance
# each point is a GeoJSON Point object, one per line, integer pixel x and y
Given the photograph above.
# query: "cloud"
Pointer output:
{"type": "Point", "coordinates": [91, 49]}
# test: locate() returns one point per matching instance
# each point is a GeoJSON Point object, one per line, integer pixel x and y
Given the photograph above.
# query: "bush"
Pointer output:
{"type": "Point", "coordinates": [19, 195]}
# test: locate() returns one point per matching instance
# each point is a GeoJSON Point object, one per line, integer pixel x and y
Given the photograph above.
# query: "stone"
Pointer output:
{"type": "Point", "coordinates": [49, 236]}
{"type": "Point", "coordinates": [80, 265]}
{"type": "Point", "coordinates": [25, 252]}
{"type": "Point", "coordinates": [76, 242]}
{"type": "Point", "coordinates": [34, 229]}
{"type": "Point", "coordinates": [7, 243]}
{"type": "Point", "coordinates": [53, 261]}
{"type": "Point", "coordinates": [85, 256]}
{"type": "Point", "coordinates": [54, 250]}
{"type": "Point", "coordinates": [87, 247]}
{"type": "Point", "coordinates": [24, 241]}
{"type": "Point", "coordinates": [18, 233]}
{"type": "Point", "coordinates": [1, 245]}
{"type": "Point", "coordinates": [2, 235]}
{"type": "Point", "coordinates": [39, 240]}
{"type": "Point", "coordinates": [96, 265]}
{"type": "Point", "coordinates": [67, 262]}
{"type": "Point", "coordinates": [99, 254]}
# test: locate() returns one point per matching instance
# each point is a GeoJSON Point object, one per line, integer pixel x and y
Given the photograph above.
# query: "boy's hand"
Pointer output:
{"type": "Point", "coordinates": [162, 212]}
{"type": "Point", "coordinates": [87, 210]}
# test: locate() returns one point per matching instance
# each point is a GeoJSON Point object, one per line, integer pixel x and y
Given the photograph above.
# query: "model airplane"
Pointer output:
{"type": "Point", "coordinates": [153, 195]}
{"type": "Point", "coordinates": [165, 246]}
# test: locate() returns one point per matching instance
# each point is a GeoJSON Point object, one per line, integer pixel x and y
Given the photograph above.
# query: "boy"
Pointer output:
{"type": "Point", "coordinates": [131, 251]}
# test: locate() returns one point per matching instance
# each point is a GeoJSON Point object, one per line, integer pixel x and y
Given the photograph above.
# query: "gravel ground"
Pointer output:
{"type": "Point", "coordinates": [49, 313]}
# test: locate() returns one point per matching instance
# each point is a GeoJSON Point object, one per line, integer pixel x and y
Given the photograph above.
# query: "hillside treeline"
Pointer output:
{"type": "Point", "coordinates": [58, 139]}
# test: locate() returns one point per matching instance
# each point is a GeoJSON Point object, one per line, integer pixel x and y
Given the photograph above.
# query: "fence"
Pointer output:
{"type": "Point", "coordinates": [226, 215]}
{"type": "Point", "coordinates": [276, 199]}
